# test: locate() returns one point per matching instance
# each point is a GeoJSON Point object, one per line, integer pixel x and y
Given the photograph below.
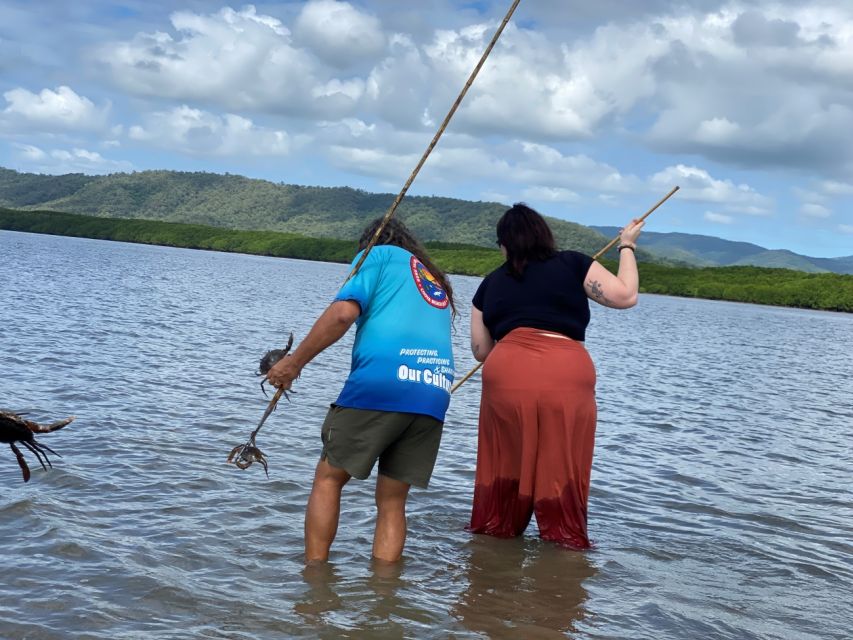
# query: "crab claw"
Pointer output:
{"type": "Point", "coordinates": [263, 460]}
{"type": "Point", "coordinates": [245, 454]}
{"type": "Point", "coordinates": [234, 452]}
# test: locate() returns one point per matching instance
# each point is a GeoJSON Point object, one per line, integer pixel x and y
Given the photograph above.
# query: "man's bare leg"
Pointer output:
{"type": "Point", "coordinates": [390, 534]}
{"type": "Point", "coordinates": [323, 511]}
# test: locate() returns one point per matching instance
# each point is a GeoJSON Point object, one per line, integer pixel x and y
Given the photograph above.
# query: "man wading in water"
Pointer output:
{"type": "Point", "coordinates": [393, 403]}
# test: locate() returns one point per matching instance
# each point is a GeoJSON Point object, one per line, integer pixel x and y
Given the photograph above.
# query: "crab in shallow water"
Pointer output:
{"type": "Point", "coordinates": [268, 362]}
{"type": "Point", "coordinates": [14, 428]}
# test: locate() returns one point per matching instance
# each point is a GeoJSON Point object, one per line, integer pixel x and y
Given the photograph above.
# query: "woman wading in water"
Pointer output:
{"type": "Point", "coordinates": [538, 411]}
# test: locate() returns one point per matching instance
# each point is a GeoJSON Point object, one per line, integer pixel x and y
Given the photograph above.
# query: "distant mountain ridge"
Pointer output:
{"type": "Point", "coordinates": [710, 251]}
{"type": "Point", "coordinates": [237, 202]}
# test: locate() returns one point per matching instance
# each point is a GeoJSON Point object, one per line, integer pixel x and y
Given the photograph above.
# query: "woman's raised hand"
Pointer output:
{"type": "Point", "coordinates": [629, 234]}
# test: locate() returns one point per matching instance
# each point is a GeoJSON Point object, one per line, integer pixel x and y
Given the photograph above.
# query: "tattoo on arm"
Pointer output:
{"type": "Point", "coordinates": [596, 291]}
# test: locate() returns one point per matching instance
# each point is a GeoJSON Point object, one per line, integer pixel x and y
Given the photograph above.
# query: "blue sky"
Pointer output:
{"type": "Point", "coordinates": [587, 111]}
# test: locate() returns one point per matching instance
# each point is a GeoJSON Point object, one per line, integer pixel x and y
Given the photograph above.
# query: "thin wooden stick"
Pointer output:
{"type": "Point", "coordinates": [417, 168]}
{"type": "Point", "coordinates": [595, 257]}
{"type": "Point", "coordinates": [435, 138]}
{"type": "Point", "coordinates": [645, 215]}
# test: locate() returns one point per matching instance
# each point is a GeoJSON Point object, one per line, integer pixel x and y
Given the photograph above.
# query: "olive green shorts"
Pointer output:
{"type": "Point", "coordinates": [406, 444]}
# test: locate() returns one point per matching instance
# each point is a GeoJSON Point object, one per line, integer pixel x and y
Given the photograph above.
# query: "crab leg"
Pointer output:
{"type": "Point", "coordinates": [21, 462]}
{"type": "Point", "coordinates": [43, 447]}
{"type": "Point", "coordinates": [35, 450]}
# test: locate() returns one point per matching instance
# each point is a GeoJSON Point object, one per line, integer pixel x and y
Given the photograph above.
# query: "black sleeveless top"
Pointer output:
{"type": "Point", "coordinates": [549, 295]}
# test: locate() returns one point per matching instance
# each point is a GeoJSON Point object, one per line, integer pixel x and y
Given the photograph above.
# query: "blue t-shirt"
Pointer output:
{"type": "Point", "coordinates": [402, 359]}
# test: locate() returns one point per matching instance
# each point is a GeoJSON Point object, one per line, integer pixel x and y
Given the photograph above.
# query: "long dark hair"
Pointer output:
{"type": "Point", "coordinates": [526, 236]}
{"type": "Point", "coordinates": [398, 234]}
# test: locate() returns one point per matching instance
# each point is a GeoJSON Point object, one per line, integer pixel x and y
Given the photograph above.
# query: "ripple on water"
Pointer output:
{"type": "Point", "coordinates": [720, 503]}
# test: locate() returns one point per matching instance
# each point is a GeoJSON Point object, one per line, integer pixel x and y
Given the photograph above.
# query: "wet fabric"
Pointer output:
{"type": "Point", "coordinates": [402, 358]}
{"type": "Point", "coordinates": [536, 438]}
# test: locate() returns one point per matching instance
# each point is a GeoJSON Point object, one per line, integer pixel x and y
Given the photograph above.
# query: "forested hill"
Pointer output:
{"type": "Point", "coordinates": [708, 251]}
{"type": "Point", "coordinates": [236, 202]}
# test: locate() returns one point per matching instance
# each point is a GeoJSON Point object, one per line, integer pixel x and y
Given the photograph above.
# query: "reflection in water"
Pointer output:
{"type": "Point", "coordinates": [522, 588]}
{"type": "Point", "coordinates": [320, 597]}
{"type": "Point", "coordinates": [335, 605]}
{"type": "Point", "coordinates": [385, 608]}
{"type": "Point", "coordinates": [385, 581]}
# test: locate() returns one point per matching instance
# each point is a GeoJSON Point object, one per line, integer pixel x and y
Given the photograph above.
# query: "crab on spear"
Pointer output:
{"type": "Point", "coordinates": [268, 362]}
{"type": "Point", "coordinates": [244, 455]}
{"type": "Point", "coordinates": [14, 428]}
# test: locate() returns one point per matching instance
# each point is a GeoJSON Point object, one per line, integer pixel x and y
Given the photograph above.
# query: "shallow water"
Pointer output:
{"type": "Point", "coordinates": [721, 503]}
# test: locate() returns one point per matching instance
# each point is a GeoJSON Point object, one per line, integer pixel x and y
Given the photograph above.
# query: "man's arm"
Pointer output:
{"type": "Point", "coordinates": [330, 327]}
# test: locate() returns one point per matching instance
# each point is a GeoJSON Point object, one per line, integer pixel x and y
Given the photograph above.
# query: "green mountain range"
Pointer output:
{"type": "Point", "coordinates": [236, 202]}
{"type": "Point", "coordinates": [708, 251]}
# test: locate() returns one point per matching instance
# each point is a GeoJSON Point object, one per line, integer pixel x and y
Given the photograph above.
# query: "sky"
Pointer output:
{"type": "Point", "coordinates": [587, 111]}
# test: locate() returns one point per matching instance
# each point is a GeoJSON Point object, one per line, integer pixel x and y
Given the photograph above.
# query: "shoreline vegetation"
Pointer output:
{"type": "Point", "coordinates": [757, 285]}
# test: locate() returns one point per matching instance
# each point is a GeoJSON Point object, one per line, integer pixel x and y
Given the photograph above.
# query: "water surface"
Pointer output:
{"type": "Point", "coordinates": [721, 504]}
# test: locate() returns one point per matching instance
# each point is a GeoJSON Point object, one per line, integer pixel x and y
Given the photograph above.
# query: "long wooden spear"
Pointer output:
{"type": "Point", "coordinates": [435, 138]}
{"type": "Point", "coordinates": [274, 401]}
{"type": "Point", "coordinates": [595, 257]}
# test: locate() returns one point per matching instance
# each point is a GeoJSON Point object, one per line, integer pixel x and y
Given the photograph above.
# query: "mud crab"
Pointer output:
{"type": "Point", "coordinates": [244, 455]}
{"type": "Point", "coordinates": [268, 362]}
{"type": "Point", "coordinates": [14, 428]}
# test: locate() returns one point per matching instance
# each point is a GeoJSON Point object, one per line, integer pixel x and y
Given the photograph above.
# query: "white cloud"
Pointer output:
{"type": "Point", "coordinates": [718, 218]}
{"type": "Point", "coordinates": [194, 131]}
{"type": "Point", "coordinates": [717, 131]}
{"type": "Point", "coordinates": [236, 59]}
{"type": "Point", "coordinates": [399, 87]}
{"type": "Point", "coordinates": [550, 194]}
{"type": "Point", "coordinates": [357, 128]}
{"type": "Point", "coordinates": [542, 165]}
{"type": "Point", "coordinates": [338, 33]}
{"type": "Point", "coordinates": [49, 110]}
{"type": "Point", "coordinates": [814, 210]}
{"type": "Point", "coordinates": [378, 152]}
{"type": "Point", "coordinates": [539, 87]}
{"type": "Point", "coordinates": [757, 87]}
{"type": "Point", "coordinates": [846, 228]}
{"type": "Point", "coordinates": [30, 152]}
{"type": "Point", "coordinates": [810, 195]}
{"type": "Point", "coordinates": [375, 162]}
{"type": "Point", "coordinates": [697, 185]}
{"type": "Point", "coordinates": [61, 161]}
{"type": "Point", "coordinates": [715, 82]}
{"type": "Point", "coordinates": [835, 188]}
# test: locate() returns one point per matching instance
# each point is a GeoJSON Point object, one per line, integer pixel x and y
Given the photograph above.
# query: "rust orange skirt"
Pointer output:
{"type": "Point", "coordinates": [536, 438]}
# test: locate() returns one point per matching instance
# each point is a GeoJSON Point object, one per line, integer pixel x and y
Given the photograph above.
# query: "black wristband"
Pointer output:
{"type": "Point", "coordinates": [625, 246]}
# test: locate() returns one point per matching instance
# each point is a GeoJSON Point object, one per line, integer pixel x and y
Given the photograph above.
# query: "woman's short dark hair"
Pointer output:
{"type": "Point", "coordinates": [396, 233]}
{"type": "Point", "coordinates": [526, 236]}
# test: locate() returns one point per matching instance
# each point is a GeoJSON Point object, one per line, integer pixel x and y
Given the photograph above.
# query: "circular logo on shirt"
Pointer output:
{"type": "Point", "coordinates": [428, 285]}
